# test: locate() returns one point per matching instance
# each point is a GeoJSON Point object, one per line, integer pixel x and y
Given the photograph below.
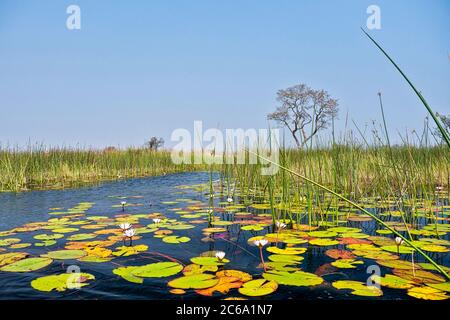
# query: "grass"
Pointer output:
{"type": "Point", "coordinates": [42, 168]}
{"type": "Point", "coordinates": [353, 169]}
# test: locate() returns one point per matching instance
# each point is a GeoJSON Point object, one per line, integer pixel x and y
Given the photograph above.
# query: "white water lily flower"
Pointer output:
{"type": "Point", "coordinates": [399, 241]}
{"type": "Point", "coordinates": [280, 225]}
{"type": "Point", "coordinates": [220, 255]}
{"type": "Point", "coordinates": [129, 232]}
{"type": "Point", "coordinates": [125, 226]}
{"type": "Point", "coordinates": [230, 199]}
{"type": "Point", "coordinates": [260, 243]}
{"type": "Point", "coordinates": [156, 220]}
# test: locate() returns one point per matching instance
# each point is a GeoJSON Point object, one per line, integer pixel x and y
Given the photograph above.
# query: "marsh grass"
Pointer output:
{"type": "Point", "coordinates": [39, 167]}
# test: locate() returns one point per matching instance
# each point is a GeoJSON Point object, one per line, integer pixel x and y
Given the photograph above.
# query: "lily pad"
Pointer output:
{"type": "Point", "coordinates": [127, 274]}
{"type": "Point", "coordinates": [193, 268]}
{"type": "Point", "coordinates": [27, 265]}
{"type": "Point", "coordinates": [291, 259]}
{"type": "Point", "coordinates": [124, 251]}
{"type": "Point", "coordinates": [81, 236]}
{"type": "Point", "coordinates": [175, 239]}
{"type": "Point", "coordinates": [48, 236]}
{"type": "Point", "coordinates": [322, 234]}
{"type": "Point", "coordinates": [241, 275]}
{"type": "Point", "coordinates": [209, 261]}
{"type": "Point", "coordinates": [259, 287]}
{"type": "Point", "coordinates": [287, 251]}
{"type": "Point", "coordinates": [11, 257]}
{"type": "Point", "coordinates": [8, 241]}
{"type": "Point", "coordinates": [339, 254]}
{"type": "Point", "coordinates": [157, 270]}
{"type": "Point", "coordinates": [346, 263]}
{"type": "Point", "coordinates": [427, 293]}
{"type": "Point", "coordinates": [392, 281]}
{"type": "Point", "coordinates": [445, 286]}
{"type": "Point", "coordinates": [61, 282]}
{"type": "Point", "coordinates": [196, 281]}
{"type": "Point", "coordinates": [401, 249]}
{"type": "Point", "coordinates": [323, 242]}
{"type": "Point", "coordinates": [296, 278]}
{"type": "Point", "coordinates": [358, 288]}
{"type": "Point", "coordinates": [224, 285]}
{"type": "Point", "coordinates": [65, 254]}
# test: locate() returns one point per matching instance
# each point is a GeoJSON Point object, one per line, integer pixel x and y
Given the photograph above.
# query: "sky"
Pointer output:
{"type": "Point", "coordinates": [138, 69]}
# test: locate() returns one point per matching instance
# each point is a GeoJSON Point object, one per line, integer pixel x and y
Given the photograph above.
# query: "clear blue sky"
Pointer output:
{"type": "Point", "coordinates": [143, 68]}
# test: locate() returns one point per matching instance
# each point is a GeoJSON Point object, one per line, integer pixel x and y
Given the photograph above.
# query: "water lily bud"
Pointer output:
{"type": "Point", "coordinates": [125, 226]}
{"type": "Point", "coordinates": [280, 225]}
{"type": "Point", "coordinates": [220, 255]}
{"type": "Point", "coordinates": [260, 243]}
{"type": "Point", "coordinates": [130, 232]}
{"type": "Point", "coordinates": [399, 241]}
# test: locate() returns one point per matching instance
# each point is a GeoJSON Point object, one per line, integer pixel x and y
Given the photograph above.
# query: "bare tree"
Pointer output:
{"type": "Point", "coordinates": [154, 143]}
{"type": "Point", "coordinates": [445, 121]}
{"type": "Point", "coordinates": [304, 111]}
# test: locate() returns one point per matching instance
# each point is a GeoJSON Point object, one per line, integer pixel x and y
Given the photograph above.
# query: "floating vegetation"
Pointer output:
{"type": "Point", "coordinates": [192, 246]}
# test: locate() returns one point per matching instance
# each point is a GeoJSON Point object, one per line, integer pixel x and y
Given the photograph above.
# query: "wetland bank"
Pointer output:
{"type": "Point", "coordinates": [231, 233]}
{"type": "Point", "coordinates": [349, 215]}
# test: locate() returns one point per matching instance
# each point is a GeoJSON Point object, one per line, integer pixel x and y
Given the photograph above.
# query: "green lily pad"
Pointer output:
{"type": "Point", "coordinates": [344, 229]}
{"type": "Point", "coordinates": [259, 287]}
{"type": "Point", "coordinates": [196, 281]}
{"type": "Point", "coordinates": [157, 270]}
{"type": "Point", "coordinates": [81, 236]}
{"type": "Point", "coordinates": [125, 251]}
{"type": "Point", "coordinates": [445, 286]}
{"type": "Point", "coordinates": [64, 230]}
{"type": "Point", "coordinates": [8, 241]}
{"type": "Point", "coordinates": [392, 281]}
{"type": "Point", "coordinates": [297, 278]}
{"type": "Point", "coordinates": [27, 265]}
{"type": "Point", "coordinates": [47, 237]}
{"type": "Point", "coordinates": [286, 251]}
{"type": "Point", "coordinates": [324, 242]}
{"type": "Point", "coordinates": [401, 249]}
{"type": "Point", "coordinates": [65, 254]}
{"type": "Point", "coordinates": [322, 234]}
{"type": "Point", "coordinates": [61, 282]}
{"type": "Point", "coordinates": [8, 258]}
{"type": "Point", "coordinates": [427, 293]}
{"type": "Point", "coordinates": [253, 227]}
{"type": "Point", "coordinates": [175, 239]}
{"type": "Point", "coordinates": [209, 261]}
{"type": "Point", "coordinates": [358, 288]}
{"type": "Point", "coordinates": [127, 274]}
{"type": "Point", "coordinates": [346, 263]}
{"type": "Point", "coordinates": [46, 243]}
{"type": "Point", "coordinates": [291, 259]}
{"type": "Point", "coordinates": [180, 227]}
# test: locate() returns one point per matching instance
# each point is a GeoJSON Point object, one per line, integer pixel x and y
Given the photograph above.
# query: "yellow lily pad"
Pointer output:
{"type": "Point", "coordinates": [258, 288]}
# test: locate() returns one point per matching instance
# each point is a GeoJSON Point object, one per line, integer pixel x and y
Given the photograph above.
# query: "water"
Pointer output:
{"type": "Point", "coordinates": [20, 208]}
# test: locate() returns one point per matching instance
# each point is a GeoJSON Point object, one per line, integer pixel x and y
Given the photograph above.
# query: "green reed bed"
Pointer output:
{"type": "Point", "coordinates": [42, 168]}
